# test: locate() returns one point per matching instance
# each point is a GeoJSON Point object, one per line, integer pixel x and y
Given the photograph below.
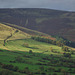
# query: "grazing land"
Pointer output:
{"type": "Point", "coordinates": [28, 52]}
{"type": "Point", "coordinates": [36, 58]}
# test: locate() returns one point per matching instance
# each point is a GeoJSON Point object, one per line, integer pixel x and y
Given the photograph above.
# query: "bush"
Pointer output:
{"type": "Point", "coordinates": [67, 55]}
{"type": "Point", "coordinates": [16, 31]}
{"type": "Point", "coordinates": [6, 72]}
{"type": "Point", "coordinates": [7, 66]}
{"type": "Point", "coordinates": [16, 68]}
{"type": "Point", "coordinates": [43, 73]}
{"type": "Point", "coordinates": [30, 51]}
{"type": "Point", "coordinates": [72, 52]}
{"type": "Point", "coordinates": [54, 74]}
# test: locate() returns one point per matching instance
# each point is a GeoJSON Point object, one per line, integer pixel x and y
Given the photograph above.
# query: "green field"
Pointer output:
{"type": "Point", "coordinates": [36, 58]}
{"type": "Point", "coordinates": [22, 55]}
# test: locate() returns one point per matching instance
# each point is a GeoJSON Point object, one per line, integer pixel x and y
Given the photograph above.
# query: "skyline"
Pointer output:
{"type": "Point", "coordinates": [67, 5]}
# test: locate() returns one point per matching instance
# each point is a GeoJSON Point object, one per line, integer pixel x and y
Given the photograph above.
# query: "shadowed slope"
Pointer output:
{"type": "Point", "coordinates": [52, 22]}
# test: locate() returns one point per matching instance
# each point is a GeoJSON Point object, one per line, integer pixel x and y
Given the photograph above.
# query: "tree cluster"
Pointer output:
{"type": "Point", "coordinates": [42, 39]}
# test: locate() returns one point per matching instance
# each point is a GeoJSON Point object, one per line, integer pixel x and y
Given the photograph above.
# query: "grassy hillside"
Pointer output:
{"type": "Point", "coordinates": [52, 22]}
{"type": "Point", "coordinates": [13, 32]}
{"type": "Point", "coordinates": [26, 30]}
{"type": "Point", "coordinates": [6, 31]}
{"type": "Point", "coordinates": [36, 58]}
{"type": "Point", "coordinates": [22, 55]}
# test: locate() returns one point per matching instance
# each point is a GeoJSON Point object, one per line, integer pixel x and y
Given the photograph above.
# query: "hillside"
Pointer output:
{"type": "Point", "coordinates": [36, 59]}
{"type": "Point", "coordinates": [14, 32]}
{"type": "Point", "coordinates": [6, 31]}
{"type": "Point", "coordinates": [28, 52]}
{"type": "Point", "coordinates": [52, 22]}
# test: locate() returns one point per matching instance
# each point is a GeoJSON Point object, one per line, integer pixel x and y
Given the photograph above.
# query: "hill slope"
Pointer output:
{"type": "Point", "coordinates": [52, 22]}
{"type": "Point", "coordinates": [18, 32]}
{"type": "Point", "coordinates": [22, 55]}
{"type": "Point", "coordinates": [6, 31]}
{"type": "Point", "coordinates": [14, 32]}
{"type": "Point", "coordinates": [36, 59]}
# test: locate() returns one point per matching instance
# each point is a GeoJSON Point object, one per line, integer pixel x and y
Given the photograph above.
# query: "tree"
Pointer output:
{"type": "Point", "coordinates": [16, 68]}
{"type": "Point", "coordinates": [65, 48]}
{"type": "Point", "coordinates": [30, 51]}
{"type": "Point", "coordinates": [6, 72]}
{"type": "Point", "coordinates": [16, 31]}
{"type": "Point", "coordinates": [67, 55]}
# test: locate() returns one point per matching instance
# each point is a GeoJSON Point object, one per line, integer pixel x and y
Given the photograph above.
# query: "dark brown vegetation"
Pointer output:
{"type": "Point", "coordinates": [48, 21]}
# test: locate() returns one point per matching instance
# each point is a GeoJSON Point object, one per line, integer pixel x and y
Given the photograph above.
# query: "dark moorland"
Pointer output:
{"type": "Point", "coordinates": [52, 22]}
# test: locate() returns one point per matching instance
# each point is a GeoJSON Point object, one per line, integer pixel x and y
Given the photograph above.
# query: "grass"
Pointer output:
{"type": "Point", "coordinates": [6, 31]}
{"type": "Point", "coordinates": [26, 30]}
{"type": "Point", "coordinates": [15, 73]}
{"type": "Point", "coordinates": [38, 20]}
{"type": "Point", "coordinates": [33, 45]}
{"type": "Point", "coordinates": [41, 55]}
{"type": "Point", "coordinates": [15, 49]}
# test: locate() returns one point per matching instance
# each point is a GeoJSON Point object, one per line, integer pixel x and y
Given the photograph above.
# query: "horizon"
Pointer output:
{"type": "Point", "coordinates": [40, 8]}
{"type": "Point", "coordinates": [65, 5]}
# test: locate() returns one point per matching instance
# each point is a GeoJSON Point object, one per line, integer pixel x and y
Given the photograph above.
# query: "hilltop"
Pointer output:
{"type": "Point", "coordinates": [52, 22]}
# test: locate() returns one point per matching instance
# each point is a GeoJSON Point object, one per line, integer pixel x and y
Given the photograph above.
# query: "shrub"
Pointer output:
{"type": "Point", "coordinates": [30, 51]}
{"type": "Point", "coordinates": [54, 74]}
{"type": "Point", "coordinates": [16, 68]}
{"type": "Point", "coordinates": [6, 72]}
{"type": "Point", "coordinates": [67, 54]}
{"type": "Point", "coordinates": [43, 73]}
{"type": "Point", "coordinates": [16, 31]}
{"type": "Point", "coordinates": [8, 66]}
{"type": "Point", "coordinates": [72, 52]}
